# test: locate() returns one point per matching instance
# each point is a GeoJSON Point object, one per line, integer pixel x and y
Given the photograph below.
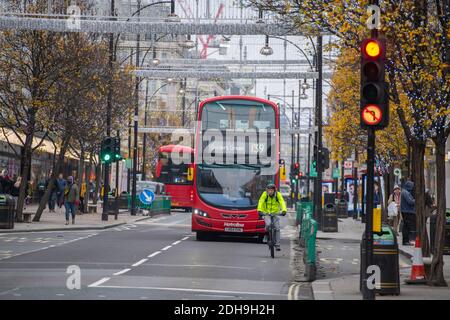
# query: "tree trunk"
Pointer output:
{"type": "Point", "coordinates": [26, 165]}
{"type": "Point", "coordinates": [55, 173]}
{"type": "Point", "coordinates": [418, 152]}
{"type": "Point", "coordinates": [98, 179]}
{"type": "Point", "coordinates": [437, 264]}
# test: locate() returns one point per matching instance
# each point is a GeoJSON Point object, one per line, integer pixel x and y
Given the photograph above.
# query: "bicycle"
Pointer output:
{"type": "Point", "coordinates": [271, 234]}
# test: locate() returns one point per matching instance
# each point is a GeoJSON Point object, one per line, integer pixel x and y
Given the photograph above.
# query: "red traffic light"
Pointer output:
{"type": "Point", "coordinates": [297, 165]}
{"type": "Point", "coordinates": [372, 114]}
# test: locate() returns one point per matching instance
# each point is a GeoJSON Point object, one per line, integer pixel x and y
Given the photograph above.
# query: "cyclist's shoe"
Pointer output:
{"type": "Point", "coordinates": [278, 248]}
{"type": "Point", "coordinates": [265, 239]}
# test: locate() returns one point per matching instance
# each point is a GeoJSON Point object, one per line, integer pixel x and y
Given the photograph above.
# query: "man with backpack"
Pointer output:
{"type": "Point", "coordinates": [272, 202]}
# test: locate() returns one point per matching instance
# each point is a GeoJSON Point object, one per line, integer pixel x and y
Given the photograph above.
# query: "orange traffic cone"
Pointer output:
{"type": "Point", "coordinates": [417, 269]}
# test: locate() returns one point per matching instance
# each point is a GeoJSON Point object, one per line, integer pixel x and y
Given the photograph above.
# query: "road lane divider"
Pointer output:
{"type": "Point", "coordinates": [99, 282]}
{"type": "Point", "coordinates": [166, 248]}
{"type": "Point", "coordinates": [154, 254]}
{"type": "Point", "coordinates": [139, 262]}
{"type": "Point", "coordinates": [122, 272]}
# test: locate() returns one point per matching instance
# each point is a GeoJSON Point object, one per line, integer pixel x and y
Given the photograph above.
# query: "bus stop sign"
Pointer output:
{"type": "Point", "coordinates": [147, 196]}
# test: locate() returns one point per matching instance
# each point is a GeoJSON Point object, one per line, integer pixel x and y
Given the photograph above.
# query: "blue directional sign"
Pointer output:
{"type": "Point", "coordinates": [147, 196]}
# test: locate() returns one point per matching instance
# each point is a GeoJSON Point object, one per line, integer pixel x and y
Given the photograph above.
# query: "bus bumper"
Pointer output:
{"type": "Point", "coordinates": [227, 226]}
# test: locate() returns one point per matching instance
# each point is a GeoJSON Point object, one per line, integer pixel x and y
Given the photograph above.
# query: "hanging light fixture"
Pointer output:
{"type": "Point", "coordinates": [303, 96]}
{"type": "Point", "coordinates": [155, 60]}
{"type": "Point", "coordinates": [305, 85]}
{"type": "Point", "coordinates": [266, 50]}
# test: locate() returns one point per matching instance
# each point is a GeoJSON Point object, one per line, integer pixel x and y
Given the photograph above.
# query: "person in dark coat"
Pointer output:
{"type": "Point", "coordinates": [408, 210]}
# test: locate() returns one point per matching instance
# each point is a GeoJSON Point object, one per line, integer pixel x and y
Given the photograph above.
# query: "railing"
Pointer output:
{"type": "Point", "coordinates": [160, 205]}
{"type": "Point", "coordinates": [307, 238]}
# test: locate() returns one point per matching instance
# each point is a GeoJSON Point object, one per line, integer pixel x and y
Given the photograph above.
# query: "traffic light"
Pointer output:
{"type": "Point", "coordinates": [374, 103]}
{"type": "Point", "coordinates": [107, 150]}
{"type": "Point", "coordinates": [116, 153]}
{"type": "Point", "coordinates": [296, 168]}
{"type": "Point", "coordinates": [325, 161]}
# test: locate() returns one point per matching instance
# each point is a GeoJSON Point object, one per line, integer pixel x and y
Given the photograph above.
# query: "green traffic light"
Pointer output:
{"type": "Point", "coordinates": [107, 157]}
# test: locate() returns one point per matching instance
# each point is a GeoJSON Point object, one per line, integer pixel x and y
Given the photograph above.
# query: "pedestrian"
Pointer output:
{"type": "Point", "coordinates": [61, 187]}
{"type": "Point", "coordinates": [52, 197]}
{"type": "Point", "coordinates": [429, 204]}
{"type": "Point", "coordinates": [394, 215]}
{"type": "Point", "coordinates": [376, 195]}
{"type": "Point", "coordinates": [71, 199]}
{"type": "Point", "coordinates": [82, 196]}
{"type": "Point", "coordinates": [15, 190]}
{"type": "Point", "coordinates": [41, 188]}
{"type": "Point", "coordinates": [6, 181]}
{"type": "Point", "coordinates": [408, 211]}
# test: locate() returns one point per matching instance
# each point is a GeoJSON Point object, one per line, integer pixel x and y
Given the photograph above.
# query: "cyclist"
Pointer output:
{"type": "Point", "coordinates": [272, 202]}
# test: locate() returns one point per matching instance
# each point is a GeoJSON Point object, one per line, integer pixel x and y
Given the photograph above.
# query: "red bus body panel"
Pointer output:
{"type": "Point", "coordinates": [182, 194]}
{"type": "Point", "coordinates": [246, 219]}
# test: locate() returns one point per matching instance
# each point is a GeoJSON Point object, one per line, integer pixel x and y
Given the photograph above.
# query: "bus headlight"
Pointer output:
{"type": "Point", "coordinates": [201, 213]}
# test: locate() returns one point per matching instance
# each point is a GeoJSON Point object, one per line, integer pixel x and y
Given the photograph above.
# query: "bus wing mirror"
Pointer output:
{"type": "Point", "coordinates": [190, 174]}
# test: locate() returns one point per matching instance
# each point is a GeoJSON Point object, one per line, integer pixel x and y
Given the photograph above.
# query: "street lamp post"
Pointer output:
{"type": "Point", "coordinates": [318, 184]}
{"type": "Point", "coordinates": [135, 119]}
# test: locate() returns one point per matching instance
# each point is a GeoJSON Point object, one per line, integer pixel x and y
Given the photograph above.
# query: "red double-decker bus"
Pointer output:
{"type": "Point", "coordinates": [237, 155]}
{"type": "Point", "coordinates": [173, 171]}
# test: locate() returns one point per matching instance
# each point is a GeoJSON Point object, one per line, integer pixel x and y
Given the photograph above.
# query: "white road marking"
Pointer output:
{"type": "Point", "coordinates": [196, 290]}
{"type": "Point", "coordinates": [176, 242]}
{"type": "Point", "coordinates": [139, 262]}
{"type": "Point", "coordinates": [199, 266]}
{"type": "Point", "coordinates": [99, 282]}
{"type": "Point", "coordinates": [165, 248]}
{"type": "Point", "coordinates": [154, 254]}
{"type": "Point", "coordinates": [185, 238]}
{"type": "Point", "coordinates": [121, 272]}
{"type": "Point", "coordinates": [60, 294]}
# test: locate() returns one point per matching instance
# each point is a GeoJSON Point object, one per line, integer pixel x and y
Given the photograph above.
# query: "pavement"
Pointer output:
{"type": "Point", "coordinates": [157, 258]}
{"type": "Point", "coordinates": [338, 269]}
{"type": "Point", "coordinates": [88, 221]}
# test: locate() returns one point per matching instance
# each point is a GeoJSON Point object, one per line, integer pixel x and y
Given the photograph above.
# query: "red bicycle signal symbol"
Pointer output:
{"type": "Point", "coordinates": [371, 114]}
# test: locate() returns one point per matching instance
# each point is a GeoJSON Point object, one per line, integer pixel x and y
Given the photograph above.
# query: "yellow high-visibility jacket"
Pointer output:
{"type": "Point", "coordinates": [271, 205]}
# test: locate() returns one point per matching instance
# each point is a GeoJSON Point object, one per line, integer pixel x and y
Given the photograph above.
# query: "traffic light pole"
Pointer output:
{"type": "Point", "coordinates": [108, 121]}
{"type": "Point", "coordinates": [369, 294]}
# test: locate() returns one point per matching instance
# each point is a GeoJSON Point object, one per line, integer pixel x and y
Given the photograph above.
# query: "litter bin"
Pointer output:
{"type": "Point", "coordinates": [123, 201]}
{"type": "Point", "coordinates": [385, 255]}
{"type": "Point", "coordinates": [329, 218]}
{"type": "Point", "coordinates": [7, 210]}
{"type": "Point", "coordinates": [342, 209]}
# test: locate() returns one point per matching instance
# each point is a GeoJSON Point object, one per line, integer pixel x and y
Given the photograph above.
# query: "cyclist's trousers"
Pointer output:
{"type": "Point", "coordinates": [276, 221]}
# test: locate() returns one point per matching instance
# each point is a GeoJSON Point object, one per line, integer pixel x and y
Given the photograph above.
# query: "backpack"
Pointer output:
{"type": "Point", "coordinates": [276, 197]}
{"type": "Point", "coordinates": [66, 190]}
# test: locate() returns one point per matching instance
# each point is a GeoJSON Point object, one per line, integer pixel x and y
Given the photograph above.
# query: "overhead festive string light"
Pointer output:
{"type": "Point", "coordinates": [155, 27]}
